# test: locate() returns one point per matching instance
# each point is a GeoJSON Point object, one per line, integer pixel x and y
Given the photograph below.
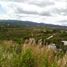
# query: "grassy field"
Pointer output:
{"type": "Point", "coordinates": [17, 49]}
{"type": "Point", "coordinates": [13, 54]}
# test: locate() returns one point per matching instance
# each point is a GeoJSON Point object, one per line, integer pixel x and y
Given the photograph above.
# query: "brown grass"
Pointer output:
{"type": "Point", "coordinates": [42, 55]}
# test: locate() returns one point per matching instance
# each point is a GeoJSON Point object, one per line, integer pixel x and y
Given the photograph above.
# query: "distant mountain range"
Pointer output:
{"type": "Point", "coordinates": [17, 23]}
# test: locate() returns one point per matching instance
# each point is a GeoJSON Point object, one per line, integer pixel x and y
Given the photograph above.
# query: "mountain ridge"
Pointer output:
{"type": "Point", "coordinates": [19, 23]}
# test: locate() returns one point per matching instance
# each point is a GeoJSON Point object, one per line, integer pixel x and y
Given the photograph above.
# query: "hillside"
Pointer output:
{"type": "Point", "coordinates": [17, 23]}
{"type": "Point", "coordinates": [31, 44]}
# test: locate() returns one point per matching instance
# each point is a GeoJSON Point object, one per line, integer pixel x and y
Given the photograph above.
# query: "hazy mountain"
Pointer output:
{"type": "Point", "coordinates": [17, 23]}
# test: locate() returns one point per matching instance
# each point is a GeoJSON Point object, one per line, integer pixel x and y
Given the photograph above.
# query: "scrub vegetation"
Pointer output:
{"type": "Point", "coordinates": [30, 47]}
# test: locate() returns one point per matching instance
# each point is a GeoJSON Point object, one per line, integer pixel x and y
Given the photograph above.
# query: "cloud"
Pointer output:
{"type": "Point", "coordinates": [47, 11]}
{"type": "Point", "coordinates": [63, 22]}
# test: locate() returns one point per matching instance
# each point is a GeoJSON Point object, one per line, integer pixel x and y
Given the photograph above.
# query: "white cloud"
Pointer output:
{"type": "Point", "coordinates": [47, 11]}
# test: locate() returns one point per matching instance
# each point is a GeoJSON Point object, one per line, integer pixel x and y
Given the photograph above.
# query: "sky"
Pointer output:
{"type": "Point", "coordinates": [41, 11]}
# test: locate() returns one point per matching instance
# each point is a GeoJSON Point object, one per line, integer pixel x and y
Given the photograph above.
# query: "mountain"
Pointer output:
{"type": "Point", "coordinates": [17, 23]}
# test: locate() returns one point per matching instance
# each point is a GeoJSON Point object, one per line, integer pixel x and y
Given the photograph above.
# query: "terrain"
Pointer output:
{"type": "Point", "coordinates": [18, 23]}
{"type": "Point", "coordinates": [29, 44]}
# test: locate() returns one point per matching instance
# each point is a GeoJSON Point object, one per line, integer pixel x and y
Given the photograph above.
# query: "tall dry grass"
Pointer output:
{"type": "Point", "coordinates": [45, 56]}
{"type": "Point", "coordinates": [30, 55]}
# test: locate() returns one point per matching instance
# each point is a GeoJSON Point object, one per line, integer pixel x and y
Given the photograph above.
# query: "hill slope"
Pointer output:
{"type": "Point", "coordinates": [17, 23]}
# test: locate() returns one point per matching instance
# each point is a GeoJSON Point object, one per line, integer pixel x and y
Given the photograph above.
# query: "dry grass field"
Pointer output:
{"type": "Point", "coordinates": [30, 54]}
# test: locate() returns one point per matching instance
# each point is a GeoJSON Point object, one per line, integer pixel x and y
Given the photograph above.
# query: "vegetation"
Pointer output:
{"type": "Point", "coordinates": [29, 47]}
{"type": "Point", "coordinates": [28, 55]}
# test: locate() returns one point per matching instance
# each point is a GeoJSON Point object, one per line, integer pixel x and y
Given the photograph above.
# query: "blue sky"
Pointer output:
{"type": "Point", "coordinates": [46, 11]}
